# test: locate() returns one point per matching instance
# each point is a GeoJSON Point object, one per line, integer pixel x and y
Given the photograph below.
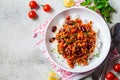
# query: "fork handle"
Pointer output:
{"type": "Point", "coordinates": [107, 62]}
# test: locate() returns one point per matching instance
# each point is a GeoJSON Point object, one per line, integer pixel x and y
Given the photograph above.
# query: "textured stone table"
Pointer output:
{"type": "Point", "coordinates": [20, 58]}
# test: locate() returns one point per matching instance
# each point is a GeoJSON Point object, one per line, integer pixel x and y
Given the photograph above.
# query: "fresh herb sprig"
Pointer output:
{"type": "Point", "coordinates": [53, 50]}
{"type": "Point", "coordinates": [103, 6]}
{"type": "Point", "coordinates": [96, 55]}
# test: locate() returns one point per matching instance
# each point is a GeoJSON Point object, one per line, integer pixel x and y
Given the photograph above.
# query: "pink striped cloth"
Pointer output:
{"type": "Point", "coordinates": [39, 39]}
{"type": "Point", "coordinates": [65, 75]}
{"type": "Point", "coordinates": [38, 35]}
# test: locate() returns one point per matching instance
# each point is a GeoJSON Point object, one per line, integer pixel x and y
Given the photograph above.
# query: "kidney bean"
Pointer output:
{"type": "Point", "coordinates": [62, 40]}
{"type": "Point", "coordinates": [69, 51]}
{"type": "Point", "coordinates": [52, 39]}
{"type": "Point", "coordinates": [83, 29]}
{"type": "Point", "coordinates": [89, 46]}
{"type": "Point", "coordinates": [70, 22]}
{"type": "Point", "coordinates": [80, 54]}
{"type": "Point", "coordinates": [54, 28]}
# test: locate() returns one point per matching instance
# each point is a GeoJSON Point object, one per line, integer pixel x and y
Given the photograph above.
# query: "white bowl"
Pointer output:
{"type": "Point", "coordinates": [85, 15]}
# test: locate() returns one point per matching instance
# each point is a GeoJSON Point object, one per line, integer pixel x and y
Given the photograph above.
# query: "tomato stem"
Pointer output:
{"type": "Point", "coordinates": [42, 5]}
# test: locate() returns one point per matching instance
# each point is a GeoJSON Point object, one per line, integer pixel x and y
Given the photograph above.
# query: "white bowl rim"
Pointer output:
{"type": "Point", "coordinates": [85, 71]}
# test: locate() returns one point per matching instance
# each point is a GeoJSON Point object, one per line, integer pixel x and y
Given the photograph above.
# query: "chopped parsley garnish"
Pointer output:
{"type": "Point", "coordinates": [68, 29]}
{"type": "Point", "coordinates": [75, 35]}
{"type": "Point", "coordinates": [53, 50]}
{"type": "Point", "coordinates": [61, 37]}
{"type": "Point", "coordinates": [75, 46]}
{"type": "Point", "coordinates": [96, 55]}
{"type": "Point", "coordinates": [79, 65]}
{"type": "Point", "coordinates": [87, 33]}
{"type": "Point", "coordinates": [86, 2]}
{"type": "Point", "coordinates": [68, 42]}
{"type": "Point", "coordinates": [74, 23]}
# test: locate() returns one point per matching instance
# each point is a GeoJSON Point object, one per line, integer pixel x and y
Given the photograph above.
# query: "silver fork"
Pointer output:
{"type": "Point", "coordinates": [116, 41]}
{"type": "Point", "coordinates": [96, 75]}
{"type": "Point", "coordinates": [115, 33]}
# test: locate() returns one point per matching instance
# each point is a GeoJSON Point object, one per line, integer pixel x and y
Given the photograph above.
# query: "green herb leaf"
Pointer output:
{"type": "Point", "coordinates": [70, 36]}
{"type": "Point", "coordinates": [75, 35]}
{"type": "Point", "coordinates": [93, 8]}
{"type": "Point", "coordinates": [75, 46]}
{"type": "Point", "coordinates": [78, 64]}
{"type": "Point", "coordinates": [61, 37]}
{"type": "Point", "coordinates": [74, 23]}
{"type": "Point", "coordinates": [86, 2]}
{"type": "Point", "coordinates": [96, 55]}
{"type": "Point", "coordinates": [68, 29]}
{"type": "Point", "coordinates": [68, 42]}
{"type": "Point", "coordinates": [99, 6]}
{"type": "Point", "coordinates": [53, 50]}
{"type": "Point", "coordinates": [83, 4]}
{"type": "Point", "coordinates": [87, 33]}
{"type": "Point", "coordinates": [103, 6]}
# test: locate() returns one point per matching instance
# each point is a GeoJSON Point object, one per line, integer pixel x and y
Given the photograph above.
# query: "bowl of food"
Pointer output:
{"type": "Point", "coordinates": [77, 39]}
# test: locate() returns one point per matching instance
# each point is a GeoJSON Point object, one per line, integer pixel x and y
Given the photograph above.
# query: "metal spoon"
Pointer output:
{"type": "Point", "coordinates": [115, 33]}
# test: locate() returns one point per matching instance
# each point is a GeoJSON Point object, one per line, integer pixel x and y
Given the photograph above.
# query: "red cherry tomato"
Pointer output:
{"type": "Point", "coordinates": [109, 76]}
{"type": "Point", "coordinates": [33, 4]}
{"type": "Point", "coordinates": [32, 14]}
{"type": "Point", "coordinates": [46, 8]}
{"type": "Point", "coordinates": [116, 78]}
{"type": "Point", "coordinates": [116, 67]}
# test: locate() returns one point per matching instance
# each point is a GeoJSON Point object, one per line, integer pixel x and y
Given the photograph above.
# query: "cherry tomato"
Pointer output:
{"type": "Point", "coordinates": [116, 67]}
{"type": "Point", "coordinates": [32, 14]}
{"type": "Point", "coordinates": [33, 4]}
{"type": "Point", "coordinates": [109, 76]}
{"type": "Point", "coordinates": [116, 78]}
{"type": "Point", "coordinates": [46, 8]}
